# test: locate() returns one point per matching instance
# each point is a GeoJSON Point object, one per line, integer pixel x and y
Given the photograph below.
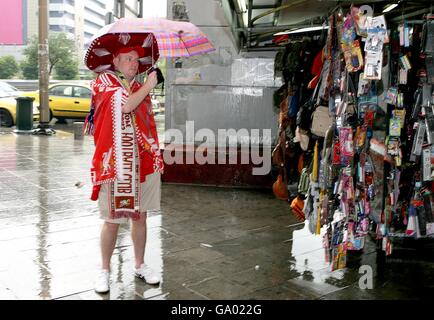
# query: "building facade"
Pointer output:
{"type": "Point", "coordinates": [79, 19]}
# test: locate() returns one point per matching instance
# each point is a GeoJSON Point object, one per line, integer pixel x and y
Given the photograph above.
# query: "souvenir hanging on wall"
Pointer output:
{"type": "Point", "coordinates": [350, 46]}
{"type": "Point", "coordinates": [360, 16]}
{"type": "Point", "coordinates": [377, 36]}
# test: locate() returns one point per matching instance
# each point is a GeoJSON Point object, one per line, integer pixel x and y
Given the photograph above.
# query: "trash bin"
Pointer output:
{"type": "Point", "coordinates": [24, 113]}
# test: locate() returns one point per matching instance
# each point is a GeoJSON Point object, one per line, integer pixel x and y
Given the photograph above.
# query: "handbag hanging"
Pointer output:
{"type": "Point", "coordinates": [321, 121]}
{"type": "Point", "coordinates": [304, 114]}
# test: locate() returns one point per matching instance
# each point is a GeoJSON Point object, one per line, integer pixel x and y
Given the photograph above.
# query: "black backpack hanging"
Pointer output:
{"type": "Point", "coordinates": [304, 114]}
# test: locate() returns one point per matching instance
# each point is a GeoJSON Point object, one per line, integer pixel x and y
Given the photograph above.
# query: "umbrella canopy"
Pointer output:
{"type": "Point", "coordinates": [174, 38]}
{"type": "Point", "coordinates": [105, 44]}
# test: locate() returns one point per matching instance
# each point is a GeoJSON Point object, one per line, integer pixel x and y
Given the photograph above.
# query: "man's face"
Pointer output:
{"type": "Point", "coordinates": [127, 63]}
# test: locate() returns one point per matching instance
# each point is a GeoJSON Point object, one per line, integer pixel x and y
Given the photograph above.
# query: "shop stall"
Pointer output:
{"type": "Point", "coordinates": [355, 151]}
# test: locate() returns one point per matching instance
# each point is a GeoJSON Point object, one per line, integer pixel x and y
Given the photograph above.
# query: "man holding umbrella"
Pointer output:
{"type": "Point", "coordinates": [127, 164]}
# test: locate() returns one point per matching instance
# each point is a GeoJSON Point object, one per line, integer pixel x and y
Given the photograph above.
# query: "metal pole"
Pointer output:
{"type": "Point", "coordinates": [116, 8]}
{"type": "Point", "coordinates": [249, 22]}
{"type": "Point", "coordinates": [140, 13]}
{"type": "Point", "coordinates": [122, 8]}
{"type": "Point", "coordinates": [43, 127]}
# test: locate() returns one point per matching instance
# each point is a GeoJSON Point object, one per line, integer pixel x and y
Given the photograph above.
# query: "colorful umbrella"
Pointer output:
{"type": "Point", "coordinates": [174, 38]}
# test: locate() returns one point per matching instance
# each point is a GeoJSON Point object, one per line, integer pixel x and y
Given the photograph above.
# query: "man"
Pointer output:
{"type": "Point", "coordinates": [127, 164]}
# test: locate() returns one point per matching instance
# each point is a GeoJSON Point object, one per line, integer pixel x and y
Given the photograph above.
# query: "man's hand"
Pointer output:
{"type": "Point", "coordinates": [151, 80]}
{"type": "Point", "coordinates": [138, 96]}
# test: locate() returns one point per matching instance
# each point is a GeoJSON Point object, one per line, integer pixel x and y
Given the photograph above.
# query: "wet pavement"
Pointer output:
{"type": "Point", "coordinates": [206, 243]}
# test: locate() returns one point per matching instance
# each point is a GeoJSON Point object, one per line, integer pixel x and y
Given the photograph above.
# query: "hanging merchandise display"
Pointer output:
{"type": "Point", "coordinates": [363, 124]}
{"type": "Point", "coordinates": [293, 64]}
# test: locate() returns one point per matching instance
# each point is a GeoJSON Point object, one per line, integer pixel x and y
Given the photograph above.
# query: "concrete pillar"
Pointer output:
{"type": "Point", "coordinates": [78, 130]}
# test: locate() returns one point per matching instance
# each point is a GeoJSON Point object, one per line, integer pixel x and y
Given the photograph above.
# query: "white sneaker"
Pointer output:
{"type": "Point", "coordinates": [147, 274]}
{"type": "Point", "coordinates": [102, 283]}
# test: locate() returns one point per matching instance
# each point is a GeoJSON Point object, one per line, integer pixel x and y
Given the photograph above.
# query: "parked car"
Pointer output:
{"type": "Point", "coordinates": [67, 100]}
{"type": "Point", "coordinates": [8, 105]}
{"type": "Point", "coordinates": [9, 88]}
{"type": "Point", "coordinates": [157, 107]}
{"type": "Point", "coordinates": [72, 100]}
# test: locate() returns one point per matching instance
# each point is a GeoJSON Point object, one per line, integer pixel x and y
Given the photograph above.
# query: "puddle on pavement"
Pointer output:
{"type": "Point", "coordinates": [308, 257]}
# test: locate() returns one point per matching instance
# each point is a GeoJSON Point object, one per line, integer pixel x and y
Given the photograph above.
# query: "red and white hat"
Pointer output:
{"type": "Point", "coordinates": [99, 56]}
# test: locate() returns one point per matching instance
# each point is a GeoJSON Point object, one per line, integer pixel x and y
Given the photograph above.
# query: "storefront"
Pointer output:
{"type": "Point", "coordinates": [356, 129]}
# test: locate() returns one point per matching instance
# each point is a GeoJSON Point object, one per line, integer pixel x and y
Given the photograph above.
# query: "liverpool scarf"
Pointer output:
{"type": "Point", "coordinates": [124, 199]}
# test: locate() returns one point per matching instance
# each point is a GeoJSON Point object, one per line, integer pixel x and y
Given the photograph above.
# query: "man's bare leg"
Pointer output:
{"type": "Point", "coordinates": [109, 234]}
{"type": "Point", "coordinates": [138, 235]}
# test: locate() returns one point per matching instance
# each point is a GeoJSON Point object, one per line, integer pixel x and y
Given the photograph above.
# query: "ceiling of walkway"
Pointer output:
{"type": "Point", "coordinates": [264, 18]}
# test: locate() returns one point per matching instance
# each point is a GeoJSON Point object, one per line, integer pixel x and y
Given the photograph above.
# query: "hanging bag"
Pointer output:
{"type": "Point", "coordinates": [304, 181]}
{"type": "Point", "coordinates": [321, 121]}
{"type": "Point", "coordinates": [280, 186]}
{"type": "Point", "coordinates": [312, 117]}
{"type": "Point", "coordinates": [304, 114]}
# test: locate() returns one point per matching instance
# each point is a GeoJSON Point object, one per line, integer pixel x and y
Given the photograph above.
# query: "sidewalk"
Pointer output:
{"type": "Point", "coordinates": [206, 243]}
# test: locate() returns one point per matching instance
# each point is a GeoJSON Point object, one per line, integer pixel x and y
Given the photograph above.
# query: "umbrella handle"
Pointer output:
{"type": "Point", "coordinates": [160, 77]}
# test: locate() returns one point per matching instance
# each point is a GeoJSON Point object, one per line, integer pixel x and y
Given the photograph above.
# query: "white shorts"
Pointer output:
{"type": "Point", "coordinates": [150, 197]}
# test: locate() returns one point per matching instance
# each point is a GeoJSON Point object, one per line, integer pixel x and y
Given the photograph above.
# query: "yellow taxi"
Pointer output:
{"type": "Point", "coordinates": [8, 105]}
{"type": "Point", "coordinates": [67, 100]}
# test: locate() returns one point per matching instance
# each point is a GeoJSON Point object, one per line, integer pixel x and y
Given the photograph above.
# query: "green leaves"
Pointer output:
{"type": "Point", "coordinates": [8, 67]}
{"type": "Point", "coordinates": [62, 58]}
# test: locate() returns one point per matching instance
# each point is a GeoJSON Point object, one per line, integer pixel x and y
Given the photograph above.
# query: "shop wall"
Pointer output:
{"type": "Point", "coordinates": [224, 89]}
